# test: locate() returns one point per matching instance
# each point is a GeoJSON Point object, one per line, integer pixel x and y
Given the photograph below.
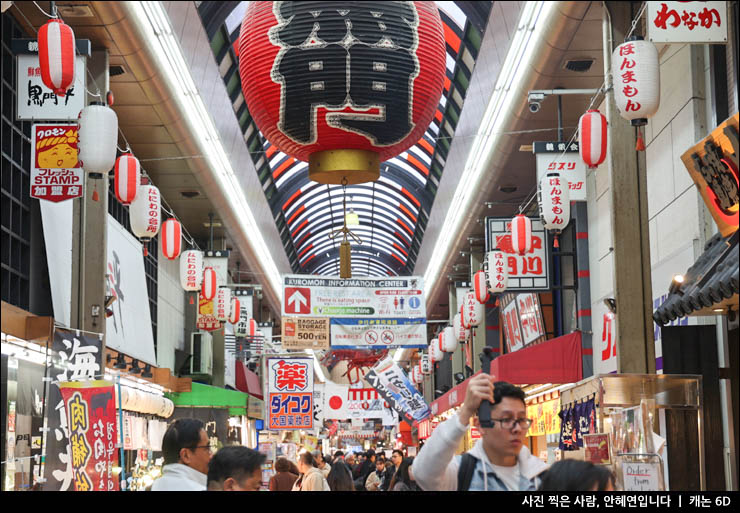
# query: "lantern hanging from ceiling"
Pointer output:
{"type": "Point", "coordinates": [554, 199]}
{"type": "Point", "coordinates": [521, 234]}
{"type": "Point", "coordinates": [592, 130]}
{"type": "Point", "coordinates": [474, 312]}
{"type": "Point", "coordinates": [171, 238]}
{"type": "Point", "coordinates": [480, 287]}
{"type": "Point", "coordinates": [636, 79]}
{"type": "Point", "coordinates": [343, 86]}
{"type": "Point", "coordinates": [145, 212]}
{"type": "Point", "coordinates": [498, 271]}
{"type": "Point", "coordinates": [463, 322]}
{"type": "Point", "coordinates": [241, 327]}
{"type": "Point", "coordinates": [210, 284]}
{"type": "Point", "coordinates": [191, 270]}
{"type": "Point", "coordinates": [252, 329]}
{"type": "Point", "coordinates": [434, 352]}
{"type": "Point", "coordinates": [127, 178]}
{"type": "Point", "coordinates": [461, 333]}
{"type": "Point", "coordinates": [418, 376]}
{"type": "Point", "coordinates": [56, 42]}
{"type": "Point", "coordinates": [222, 304]}
{"type": "Point", "coordinates": [425, 364]}
{"type": "Point", "coordinates": [448, 340]}
{"type": "Point", "coordinates": [98, 138]}
{"type": "Point", "coordinates": [235, 310]}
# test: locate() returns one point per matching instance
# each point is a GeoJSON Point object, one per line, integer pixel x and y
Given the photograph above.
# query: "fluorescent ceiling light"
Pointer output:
{"type": "Point", "coordinates": [166, 51]}
{"type": "Point", "coordinates": [503, 97]}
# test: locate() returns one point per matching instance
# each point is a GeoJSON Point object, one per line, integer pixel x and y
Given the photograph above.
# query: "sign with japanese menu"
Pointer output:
{"type": "Point", "coordinates": [687, 22]}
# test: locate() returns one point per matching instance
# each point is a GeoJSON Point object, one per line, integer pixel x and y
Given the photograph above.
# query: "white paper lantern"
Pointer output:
{"type": "Point", "coordinates": [169, 408]}
{"type": "Point", "coordinates": [418, 377]}
{"type": "Point", "coordinates": [461, 333]}
{"type": "Point", "coordinates": [425, 364]}
{"type": "Point", "coordinates": [98, 138]}
{"type": "Point", "coordinates": [498, 271]}
{"type": "Point", "coordinates": [473, 312]}
{"type": "Point", "coordinates": [240, 328]}
{"type": "Point", "coordinates": [434, 352]}
{"type": "Point", "coordinates": [480, 287]}
{"type": "Point", "coordinates": [449, 340]}
{"type": "Point", "coordinates": [145, 212]}
{"type": "Point", "coordinates": [191, 269]}
{"type": "Point", "coordinates": [235, 310]}
{"type": "Point", "coordinates": [636, 79]}
{"type": "Point", "coordinates": [222, 304]}
{"type": "Point", "coordinates": [554, 202]}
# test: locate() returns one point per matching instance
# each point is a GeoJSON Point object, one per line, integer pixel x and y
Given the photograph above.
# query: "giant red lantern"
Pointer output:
{"type": "Point", "coordinates": [342, 85]}
{"type": "Point", "coordinates": [592, 129]}
{"type": "Point", "coordinates": [127, 176]}
{"type": "Point", "coordinates": [57, 56]}
{"type": "Point", "coordinates": [521, 234]}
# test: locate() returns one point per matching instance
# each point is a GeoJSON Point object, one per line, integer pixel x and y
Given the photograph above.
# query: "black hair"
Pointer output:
{"type": "Point", "coordinates": [400, 452]}
{"type": "Point", "coordinates": [340, 478]}
{"type": "Point", "coordinates": [233, 461]}
{"type": "Point", "coordinates": [402, 475]}
{"type": "Point", "coordinates": [503, 389]}
{"type": "Point", "coordinates": [181, 434]}
{"type": "Point", "coordinates": [576, 476]}
{"type": "Point", "coordinates": [338, 454]}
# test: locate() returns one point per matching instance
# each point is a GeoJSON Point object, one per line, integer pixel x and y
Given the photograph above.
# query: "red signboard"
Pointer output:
{"type": "Point", "coordinates": [56, 174]}
{"type": "Point", "coordinates": [91, 419]}
{"type": "Point", "coordinates": [206, 320]}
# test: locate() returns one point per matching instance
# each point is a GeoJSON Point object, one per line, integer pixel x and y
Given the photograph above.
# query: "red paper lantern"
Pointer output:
{"type": "Point", "coordinates": [343, 86]}
{"type": "Point", "coordinates": [171, 238]}
{"type": "Point", "coordinates": [464, 324]}
{"type": "Point", "coordinates": [210, 284]}
{"type": "Point", "coordinates": [236, 310]}
{"type": "Point", "coordinates": [57, 56]}
{"type": "Point", "coordinates": [592, 128]}
{"type": "Point", "coordinates": [127, 174]}
{"type": "Point", "coordinates": [252, 329]}
{"type": "Point", "coordinates": [521, 234]}
{"type": "Point", "coordinates": [480, 286]}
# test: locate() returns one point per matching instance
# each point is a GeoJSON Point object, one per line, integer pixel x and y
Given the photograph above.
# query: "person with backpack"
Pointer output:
{"type": "Point", "coordinates": [500, 459]}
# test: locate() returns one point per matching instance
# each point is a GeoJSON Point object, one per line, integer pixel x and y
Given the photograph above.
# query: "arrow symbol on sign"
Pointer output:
{"type": "Point", "coordinates": [297, 299]}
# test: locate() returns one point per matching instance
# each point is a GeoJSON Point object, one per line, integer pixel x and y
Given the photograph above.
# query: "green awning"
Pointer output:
{"type": "Point", "coordinates": [207, 396]}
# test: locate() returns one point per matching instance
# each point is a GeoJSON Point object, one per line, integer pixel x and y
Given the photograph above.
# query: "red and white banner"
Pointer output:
{"type": "Point", "coordinates": [93, 434]}
{"type": "Point", "coordinates": [336, 401]}
{"type": "Point", "coordinates": [56, 174]}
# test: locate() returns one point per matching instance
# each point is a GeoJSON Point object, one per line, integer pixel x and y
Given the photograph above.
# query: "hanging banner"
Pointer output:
{"type": "Point", "coordinates": [74, 356]}
{"type": "Point", "coordinates": [394, 386]}
{"type": "Point", "coordinates": [545, 419]}
{"type": "Point", "coordinates": [530, 318]}
{"type": "Point", "coordinates": [378, 333]}
{"type": "Point", "coordinates": [563, 158]}
{"type": "Point", "coordinates": [336, 401]}
{"type": "Point", "coordinates": [93, 434]}
{"type": "Point", "coordinates": [206, 316]}
{"type": "Point", "coordinates": [56, 174]}
{"type": "Point", "coordinates": [366, 403]}
{"type": "Point", "coordinates": [530, 272]}
{"type": "Point", "coordinates": [35, 101]}
{"type": "Point", "coordinates": [290, 392]}
{"type": "Point", "coordinates": [512, 328]}
{"type": "Point", "coordinates": [363, 298]}
{"type": "Point", "coordinates": [318, 405]}
{"type": "Point", "coordinates": [305, 333]}
{"type": "Point", "coordinates": [687, 22]}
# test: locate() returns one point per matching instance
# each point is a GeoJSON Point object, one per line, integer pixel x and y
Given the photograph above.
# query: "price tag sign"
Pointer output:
{"type": "Point", "coordinates": [305, 333]}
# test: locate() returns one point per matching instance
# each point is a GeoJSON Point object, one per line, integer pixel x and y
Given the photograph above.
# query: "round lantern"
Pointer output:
{"type": "Point", "coordinates": [145, 213]}
{"type": "Point", "coordinates": [592, 130]}
{"type": "Point", "coordinates": [191, 270]}
{"type": "Point", "coordinates": [235, 310]}
{"type": "Point", "coordinates": [127, 177]}
{"type": "Point", "coordinates": [435, 353]}
{"type": "Point", "coordinates": [425, 364]}
{"type": "Point", "coordinates": [554, 203]}
{"type": "Point", "coordinates": [521, 234]}
{"type": "Point", "coordinates": [480, 287]}
{"type": "Point", "coordinates": [418, 376]}
{"type": "Point", "coordinates": [240, 328]}
{"type": "Point", "coordinates": [636, 79]}
{"type": "Point", "coordinates": [210, 284]}
{"type": "Point", "coordinates": [498, 271]}
{"type": "Point", "coordinates": [171, 238]}
{"type": "Point", "coordinates": [252, 329]}
{"type": "Point", "coordinates": [449, 340]}
{"type": "Point", "coordinates": [222, 305]}
{"type": "Point", "coordinates": [462, 334]}
{"type": "Point", "coordinates": [98, 135]}
{"type": "Point", "coordinates": [342, 87]}
{"type": "Point", "coordinates": [473, 311]}
{"type": "Point", "coordinates": [56, 42]}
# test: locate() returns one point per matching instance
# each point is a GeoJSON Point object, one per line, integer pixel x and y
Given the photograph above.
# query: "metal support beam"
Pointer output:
{"type": "Point", "coordinates": [579, 214]}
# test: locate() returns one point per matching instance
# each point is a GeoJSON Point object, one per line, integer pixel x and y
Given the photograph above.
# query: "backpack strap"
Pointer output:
{"type": "Point", "coordinates": [465, 472]}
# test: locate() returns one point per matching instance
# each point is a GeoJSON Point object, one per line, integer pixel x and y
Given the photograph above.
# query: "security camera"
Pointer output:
{"type": "Point", "coordinates": [535, 99]}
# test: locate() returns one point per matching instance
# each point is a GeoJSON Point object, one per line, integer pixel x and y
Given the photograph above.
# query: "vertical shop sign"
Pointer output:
{"type": "Point", "coordinates": [530, 317]}
{"type": "Point", "coordinates": [563, 158]}
{"type": "Point", "coordinates": [75, 356]}
{"type": "Point", "coordinates": [687, 22]}
{"type": "Point", "coordinates": [93, 434]}
{"type": "Point", "coordinates": [290, 390]}
{"type": "Point", "coordinates": [394, 386]}
{"type": "Point", "coordinates": [529, 272]}
{"type": "Point", "coordinates": [56, 174]}
{"type": "Point", "coordinates": [512, 329]}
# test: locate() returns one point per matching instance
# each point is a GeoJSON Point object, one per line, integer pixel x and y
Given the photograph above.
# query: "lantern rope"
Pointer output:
{"type": "Point", "coordinates": [46, 13]}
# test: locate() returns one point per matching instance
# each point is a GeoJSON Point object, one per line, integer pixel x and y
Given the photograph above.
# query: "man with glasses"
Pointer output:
{"type": "Point", "coordinates": [186, 455]}
{"type": "Point", "coordinates": [500, 460]}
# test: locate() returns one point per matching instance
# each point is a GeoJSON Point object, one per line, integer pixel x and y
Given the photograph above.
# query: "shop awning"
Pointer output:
{"type": "Point", "coordinates": [710, 284]}
{"type": "Point", "coordinates": [556, 361]}
{"type": "Point", "coordinates": [202, 396]}
{"type": "Point", "coordinates": [247, 381]}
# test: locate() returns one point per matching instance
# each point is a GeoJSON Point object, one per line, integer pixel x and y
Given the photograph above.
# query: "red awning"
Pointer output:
{"type": "Point", "coordinates": [247, 381]}
{"type": "Point", "coordinates": [557, 361]}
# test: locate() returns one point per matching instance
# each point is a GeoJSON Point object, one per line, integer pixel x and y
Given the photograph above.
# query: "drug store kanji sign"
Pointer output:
{"type": "Point", "coordinates": [290, 389]}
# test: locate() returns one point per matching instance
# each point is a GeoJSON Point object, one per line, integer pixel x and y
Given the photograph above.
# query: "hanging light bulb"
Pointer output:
{"type": "Point", "coordinates": [352, 218]}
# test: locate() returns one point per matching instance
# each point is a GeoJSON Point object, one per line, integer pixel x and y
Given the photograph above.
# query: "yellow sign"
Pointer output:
{"type": "Point", "coordinates": [545, 419]}
{"type": "Point", "coordinates": [305, 333]}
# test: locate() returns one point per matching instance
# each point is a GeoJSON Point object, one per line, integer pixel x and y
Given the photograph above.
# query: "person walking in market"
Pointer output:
{"type": "Point", "coordinates": [500, 460]}
{"type": "Point", "coordinates": [340, 478]}
{"type": "Point", "coordinates": [402, 481]}
{"type": "Point", "coordinates": [366, 468]}
{"type": "Point", "coordinates": [284, 478]}
{"type": "Point", "coordinates": [311, 480]}
{"type": "Point", "coordinates": [186, 451]}
{"type": "Point", "coordinates": [235, 469]}
{"type": "Point", "coordinates": [375, 479]}
{"type": "Point", "coordinates": [321, 463]}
